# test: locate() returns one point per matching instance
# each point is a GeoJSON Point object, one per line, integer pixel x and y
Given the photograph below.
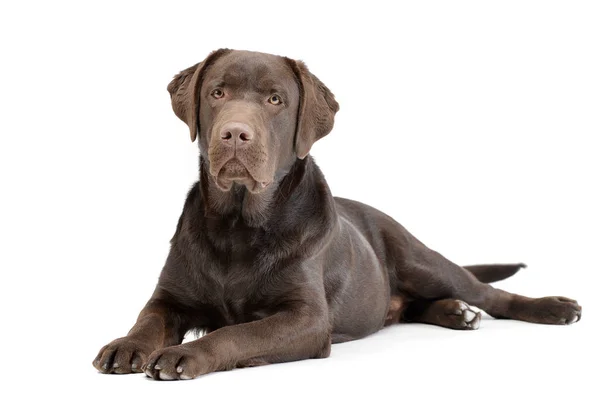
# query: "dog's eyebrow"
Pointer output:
{"type": "Point", "coordinates": [215, 83]}
{"type": "Point", "coordinates": [233, 78]}
{"type": "Point", "coordinates": [269, 86]}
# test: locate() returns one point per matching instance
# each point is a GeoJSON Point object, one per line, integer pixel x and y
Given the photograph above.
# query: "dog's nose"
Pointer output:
{"type": "Point", "coordinates": [236, 132]}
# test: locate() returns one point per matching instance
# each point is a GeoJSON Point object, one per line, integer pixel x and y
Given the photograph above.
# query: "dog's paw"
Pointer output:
{"type": "Point", "coordinates": [556, 310]}
{"type": "Point", "coordinates": [122, 356]}
{"type": "Point", "coordinates": [177, 362]}
{"type": "Point", "coordinates": [461, 316]}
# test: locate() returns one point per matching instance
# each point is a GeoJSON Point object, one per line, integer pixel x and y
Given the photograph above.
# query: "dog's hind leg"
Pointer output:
{"type": "Point", "coordinates": [555, 310]}
{"type": "Point", "coordinates": [427, 275]}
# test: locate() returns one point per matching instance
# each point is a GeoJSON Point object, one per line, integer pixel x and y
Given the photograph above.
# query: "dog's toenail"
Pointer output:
{"type": "Point", "coordinates": [164, 376]}
{"type": "Point", "coordinates": [133, 366]}
{"type": "Point", "coordinates": [469, 315]}
{"type": "Point", "coordinates": [157, 367]}
{"type": "Point", "coordinates": [179, 370]}
{"type": "Point", "coordinates": [116, 365]}
{"type": "Point", "coordinates": [105, 366]}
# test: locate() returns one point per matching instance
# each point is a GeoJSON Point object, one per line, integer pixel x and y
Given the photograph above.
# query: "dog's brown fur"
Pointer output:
{"type": "Point", "coordinates": [266, 261]}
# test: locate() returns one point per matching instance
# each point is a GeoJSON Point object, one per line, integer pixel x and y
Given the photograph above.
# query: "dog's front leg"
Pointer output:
{"type": "Point", "coordinates": [158, 325]}
{"type": "Point", "coordinates": [299, 332]}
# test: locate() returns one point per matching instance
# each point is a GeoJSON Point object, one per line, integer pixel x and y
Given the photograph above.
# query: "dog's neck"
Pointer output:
{"type": "Point", "coordinates": [253, 209]}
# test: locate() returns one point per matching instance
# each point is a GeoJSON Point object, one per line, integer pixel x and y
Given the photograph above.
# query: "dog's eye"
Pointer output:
{"type": "Point", "coordinates": [275, 100]}
{"type": "Point", "coordinates": [217, 93]}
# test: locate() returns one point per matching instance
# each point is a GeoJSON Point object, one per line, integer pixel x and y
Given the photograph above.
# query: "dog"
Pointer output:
{"type": "Point", "coordinates": [267, 262]}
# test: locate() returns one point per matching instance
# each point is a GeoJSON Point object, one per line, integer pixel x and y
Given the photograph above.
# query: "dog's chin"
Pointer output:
{"type": "Point", "coordinates": [234, 172]}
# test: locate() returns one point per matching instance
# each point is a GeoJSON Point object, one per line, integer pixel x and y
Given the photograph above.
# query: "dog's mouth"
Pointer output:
{"type": "Point", "coordinates": [234, 171]}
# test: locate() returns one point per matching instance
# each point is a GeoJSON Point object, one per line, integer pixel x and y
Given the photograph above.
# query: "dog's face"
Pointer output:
{"type": "Point", "coordinates": [248, 112]}
{"type": "Point", "coordinates": [255, 113]}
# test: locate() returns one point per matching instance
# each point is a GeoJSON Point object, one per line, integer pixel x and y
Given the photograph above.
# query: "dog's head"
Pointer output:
{"type": "Point", "coordinates": [253, 114]}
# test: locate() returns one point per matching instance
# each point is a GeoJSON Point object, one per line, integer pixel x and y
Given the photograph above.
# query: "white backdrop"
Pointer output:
{"type": "Point", "coordinates": [473, 123]}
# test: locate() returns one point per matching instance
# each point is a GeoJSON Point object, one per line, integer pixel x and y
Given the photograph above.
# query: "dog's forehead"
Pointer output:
{"type": "Point", "coordinates": [240, 68]}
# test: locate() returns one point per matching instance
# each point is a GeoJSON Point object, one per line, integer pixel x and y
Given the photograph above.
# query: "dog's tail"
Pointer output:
{"type": "Point", "coordinates": [488, 273]}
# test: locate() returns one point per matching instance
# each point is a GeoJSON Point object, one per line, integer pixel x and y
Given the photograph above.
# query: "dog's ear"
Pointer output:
{"type": "Point", "coordinates": [184, 89]}
{"type": "Point", "coordinates": [316, 110]}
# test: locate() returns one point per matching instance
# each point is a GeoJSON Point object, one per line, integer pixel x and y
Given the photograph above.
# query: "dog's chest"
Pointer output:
{"type": "Point", "coordinates": [237, 294]}
{"type": "Point", "coordinates": [236, 280]}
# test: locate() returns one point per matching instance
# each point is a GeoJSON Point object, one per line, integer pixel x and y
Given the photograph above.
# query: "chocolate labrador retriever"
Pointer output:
{"type": "Point", "coordinates": [267, 262]}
